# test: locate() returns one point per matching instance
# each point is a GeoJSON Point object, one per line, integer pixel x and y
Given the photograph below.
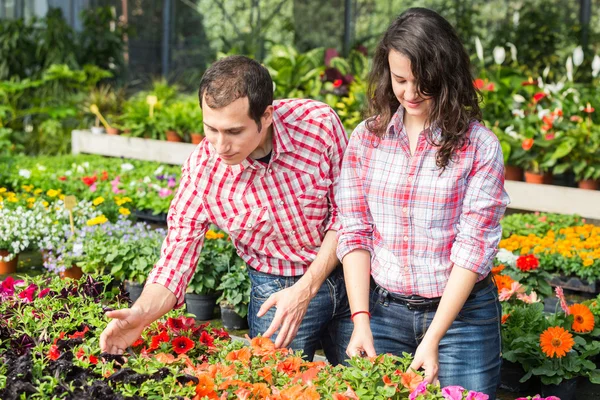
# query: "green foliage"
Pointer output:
{"type": "Point", "coordinates": [235, 287]}
{"type": "Point", "coordinates": [214, 261]}
{"type": "Point", "coordinates": [537, 224]}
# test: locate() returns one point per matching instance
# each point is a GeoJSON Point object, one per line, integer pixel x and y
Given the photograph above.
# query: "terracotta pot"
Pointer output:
{"type": "Point", "coordinates": [172, 136]}
{"type": "Point", "coordinates": [8, 267]}
{"type": "Point", "coordinates": [196, 138]}
{"type": "Point", "coordinates": [512, 173]}
{"type": "Point", "coordinates": [112, 131]}
{"type": "Point", "coordinates": [532, 177]}
{"type": "Point", "coordinates": [588, 184]}
{"type": "Point", "coordinates": [74, 272]}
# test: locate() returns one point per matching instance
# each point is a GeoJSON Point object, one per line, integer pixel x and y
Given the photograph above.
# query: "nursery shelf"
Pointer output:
{"type": "Point", "coordinates": [83, 141]}
{"type": "Point", "coordinates": [550, 198]}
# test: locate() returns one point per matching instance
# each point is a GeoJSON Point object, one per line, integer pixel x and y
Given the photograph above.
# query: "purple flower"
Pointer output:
{"type": "Point", "coordinates": [160, 177]}
{"type": "Point", "coordinates": [171, 183]}
{"type": "Point", "coordinates": [453, 392]}
{"type": "Point", "coordinates": [421, 389]}
{"type": "Point", "coordinates": [476, 396]}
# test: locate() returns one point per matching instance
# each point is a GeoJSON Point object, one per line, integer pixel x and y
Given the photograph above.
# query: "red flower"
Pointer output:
{"type": "Point", "coordinates": [79, 335]}
{"type": "Point", "coordinates": [206, 339]}
{"type": "Point", "coordinates": [589, 109]}
{"type": "Point", "coordinates": [182, 345]}
{"type": "Point", "coordinates": [527, 144]}
{"type": "Point", "coordinates": [89, 180]}
{"type": "Point", "coordinates": [28, 293]}
{"type": "Point", "coordinates": [53, 353]}
{"type": "Point", "coordinates": [220, 333]}
{"type": "Point", "coordinates": [62, 178]}
{"type": "Point", "coordinates": [175, 324]}
{"type": "Point", "coordinates": [138, 342]}
{"type": "Point", "coordinates": [528, 82]}
{"type": "Point", "coordinates": [104, 176]}
{"type": "Point", "coordinates": [478, 83]}
{"type": "Point", "coordinates": [43, 293]}
{"type": "Point", "coordinates": [538, 96]}
{"type": "Point", "coordinates": [158, 339]}
{"type": "Point", "coordinates": [80, 353]}
{"type": "Point", "coordinates": [527, 263]}
{"type": "Point", "coordinates": [490, 87]}
{"type": "Point", "coordinates": [549, 136]}
{"type": "Point", "coordinates": [93, 359]}
{"type": "Point", "coordinates": [337, 83]}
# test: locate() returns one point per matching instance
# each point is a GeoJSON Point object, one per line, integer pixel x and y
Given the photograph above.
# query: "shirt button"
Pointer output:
{"type": "Point", "coordinates": [320, 196]}
{"type": "Point", "coordinates": [406, 268]}
{"type": "Point", "coordinates": [293, 232]}
{"type": "Point", "coordinates": [270, 171]}
{"type": "Point", "coordinates": [405, 210]}
{"type": "Point", "coordinates": [282, 202]}
{"type": "Point", "coordinates": [249, 225]}
{"type": "Point", "coordinates": [410, 178]}
{"type": "Point", "coordinates": [406, 238]}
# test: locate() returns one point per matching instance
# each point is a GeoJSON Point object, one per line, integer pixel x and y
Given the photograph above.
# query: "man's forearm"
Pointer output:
{"type": "Point", "coordinates": [154, 302]}
{"type": "Point", "coordinates": [323, 265]}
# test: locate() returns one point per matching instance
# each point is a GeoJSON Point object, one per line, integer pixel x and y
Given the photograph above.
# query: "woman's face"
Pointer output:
{"type": "Point", "coordinates": [405, 88]}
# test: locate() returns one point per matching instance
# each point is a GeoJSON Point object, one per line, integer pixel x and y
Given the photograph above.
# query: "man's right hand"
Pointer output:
{"type": "Point", "coordinates": [125, 328]}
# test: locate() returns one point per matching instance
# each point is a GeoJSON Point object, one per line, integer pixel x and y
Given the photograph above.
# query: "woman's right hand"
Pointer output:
{"type": "Point", "coordinates": [361, 343]}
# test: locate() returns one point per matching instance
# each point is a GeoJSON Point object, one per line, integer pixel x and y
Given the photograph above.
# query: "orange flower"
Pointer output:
{"type": "Point", "coordinates": [411, 380]}
{"type": "Point", "coordinates": [496, 270]}
{"type": "Point", "coordinates": [388, 382]}
{"type": "Point", "coordinates": [527, 144]}
{"type": "Point", "coordinates": [505, 318]}
{"type": "Point", "coordinates": [290, 366]}
{"type": "Point", "coordinates": [267, 374]}
{"type": "Point", "coordinates": [242, 355]}
{"type": "Point", "coordinates": [503, 282]}
{"type": "Point", "coordinates": [479, 83]}
{"type": "Point", "coordinates": [206, 387]}
{"type": "Point", "coordinates": [583, 319]}
{"type": "Point", "coordinates": [556, 342]}
{"type": "Point", "coordinates": [53, 353]}
{"type": "Point", "coordinates": [262, 346]}
{"type": "Point", "coordinates": [260, 391]}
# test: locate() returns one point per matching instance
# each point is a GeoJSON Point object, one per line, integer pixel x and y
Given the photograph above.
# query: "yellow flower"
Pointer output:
{"type": "Point", "coordinates": [2, 189]}
{"type": "Point", "coordinates": [37, 191]}
{"type": "Point", "coordinates": [27, 188]}
{"type": "Point", "coordinates": [587, 262]}
{"type": "Point", "coordinates": [98, 200]}
{"type": "Point", "coordinates": [122, 200]}
{"type": "Point", "coordinates": [62, 197]}
{"type": "Point", "coordinates": [52, 193]}
{"type": "Point", "coordinates": [212, 235]}
{"type": "Point", "coordinates": [101, 219]}
{"type": "Point", "coordinates": [45, 203]}
{"type": "Point", "coordinates": [12, 199]}
{"type": "Point", "coordinates": [124, 211]}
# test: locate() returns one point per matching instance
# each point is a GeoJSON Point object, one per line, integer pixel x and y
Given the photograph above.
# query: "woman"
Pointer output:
{"type": "Point", "coordinates": [421, 197]}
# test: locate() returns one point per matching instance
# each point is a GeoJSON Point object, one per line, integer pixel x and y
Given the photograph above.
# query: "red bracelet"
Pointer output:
{"type": "Point", "coordinates": [360, 312]}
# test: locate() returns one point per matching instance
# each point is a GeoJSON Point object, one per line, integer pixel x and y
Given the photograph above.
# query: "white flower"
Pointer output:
{"type": "Point", "coordinates": [25, 173]}
{"type": "Point", "coordinates": [516, 19]}
{"type": "Point", "coordinates": [578, 56]}
{"type": "Point", "coordinates": [569, 66]}
{"type": "Point", "coordinates": [479, 48]}
{"type": "Point", "coordinates": [86, 165]}
{"type": "Point", "coordinates": [542, 112]}
{"type": "Point", "coordinates": [513, 51]}
{"type": "Point", "coordinates": [80, 169]}
{"type": "Point", "coordinates": [555, 87]}
{"type": "Point", "coordinates": [41, 167]}
{"type": "Point", "coordinates": [159, 170]}
{"type": "Point", "coordinates": [499, 55]}
{"type": "Point", "coordinates": [127, 167]}
{"type": "Point", "coordinates": [519, 99]}
{"type": "Point", "coordinates": [546, 72]}
{"type": "Point", "coordinates": [595, 66]}
{"type": "Point", "coordinates": [510, 131]}
{"type": "Point", "coordinates": [147, 179]}
{"type": "Point", "coordinates": [506, 257]}
{"type": "Point", "coordinates": [518, 113]}
{"type": "Point", "coordinates": [68, 173]}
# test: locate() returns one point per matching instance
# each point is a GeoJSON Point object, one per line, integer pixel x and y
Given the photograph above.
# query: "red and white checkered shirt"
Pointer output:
{"type": "Point", "coordinates": [276, 214]}
{"type": "Point", "coordinates": [414, 220]}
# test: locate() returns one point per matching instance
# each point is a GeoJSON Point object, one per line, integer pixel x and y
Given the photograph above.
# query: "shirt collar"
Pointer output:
{"type": "Point", "coordinates": [396, 124]}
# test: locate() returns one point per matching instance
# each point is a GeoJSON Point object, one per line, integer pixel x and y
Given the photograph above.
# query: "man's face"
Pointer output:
{"type": "Point", "coordinates": [232, 132]}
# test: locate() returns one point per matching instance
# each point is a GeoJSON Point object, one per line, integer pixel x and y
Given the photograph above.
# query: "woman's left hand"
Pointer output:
{"type": "Point", "coordinates": [427, 358]}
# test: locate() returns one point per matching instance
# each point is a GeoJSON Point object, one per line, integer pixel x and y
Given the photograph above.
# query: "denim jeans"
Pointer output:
{"type": "Point", "coordinates": [327, 320]}
{"type": "Point", "coordinates": [469, 353]}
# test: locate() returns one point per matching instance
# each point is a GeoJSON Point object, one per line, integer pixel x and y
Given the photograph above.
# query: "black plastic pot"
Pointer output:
{"type": "Point", "coordinates": [510, 374]}
{"type": "Point", "coordinates": [565, 390]}
{"type": "Point", "coordinates": [232, 320]}
{"type": "Point", "coordinates": [146, 215]}
{"type": "Point", "coordinates": [134, 289]}
{"type": "Point", "coordinates": [201, 305]}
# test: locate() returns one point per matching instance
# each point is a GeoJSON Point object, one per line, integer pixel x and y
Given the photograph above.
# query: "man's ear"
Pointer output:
{"type": "Point", "coordinates": [267, 117]}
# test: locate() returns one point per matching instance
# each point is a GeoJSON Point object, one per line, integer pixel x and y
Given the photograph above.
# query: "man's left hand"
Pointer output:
{"type": "Point", "coordinates": [291, 304]}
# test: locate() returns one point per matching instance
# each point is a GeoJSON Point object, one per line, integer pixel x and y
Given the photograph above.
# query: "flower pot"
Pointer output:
{"type": "Point", "coordinates": [588, 185]}
{"type": "Point", "coordinates": [510, 374]}
{"type": "Point", "coordinates": [97, 130]}
{"type": "Point", "coordinates": [134, 289]}
{"type": "Point", "coordinates": [74, 272]}
{"type": "Point", "coordinates": [564, 391]}
{"type": "Point", "coordinates": [112, 131]}
{"type": "Point", "coordinates": [196, 138]}
{"type": "Point", "coordinates": [172, 136]}
{"type": "Point", "coordinates": [201, 305]}
{"type": "Point", "coordinates": [532, 177]}
{"type": "Point", "coordinates": [8, 267]}
{"type": "Point", "coordinates": [512, 173]}
{"type": "Point", "coordinates": [232, 320]}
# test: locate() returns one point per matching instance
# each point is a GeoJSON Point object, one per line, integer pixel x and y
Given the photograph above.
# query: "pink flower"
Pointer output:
{"type": "Point", "coordinates": [93, 187]}
{"type": "Point", "coordinates": [453, 392]}
{"type": "Point", "coordinates": [164, 192]}
{"type": "Point", "coordinates": [43, 293]}
{"type": "Point", "coordinates": [528, 299]}
{"type": "Point", "coordinates": [476, 396]}
{"type": "Point", "coordinates": [28, 293]}
{"type": "Point", "coordinates": [421, 389]}
{"type": "Point", "coordinates": [561, 296]}
{"type": "Point", "coordinates": [7, 288]}
{"type": "Point", "coordinates": [506, 294]}
{"type": "Point", "coordinates": [171, 182]}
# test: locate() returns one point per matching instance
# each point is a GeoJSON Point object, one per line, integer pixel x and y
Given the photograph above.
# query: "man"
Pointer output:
{"type": "Point", "coordinates": [266, 173]}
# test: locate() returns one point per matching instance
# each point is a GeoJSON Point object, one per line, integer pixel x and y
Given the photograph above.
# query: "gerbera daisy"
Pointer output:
{"type": "Point", "coordinates": [505, 318]}
{"type": "Point", "coordinates": [182, 345]}
{"type": "Point", "coordinates": [556, 342]}
{"type": "Point", "coordinates": [503, 282]}
{"type": "Point", "coordinates": [583, 319]}
{"type": "Point", "coordinates": [528, 262]}
{"type": "Point", "coordinates": [499, 268]}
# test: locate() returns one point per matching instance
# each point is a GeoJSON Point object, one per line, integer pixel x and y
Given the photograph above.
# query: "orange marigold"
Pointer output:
{"type": "Point", "coordinates": [583, 319]}
{"type": "Point", "coordinates": [556, 342]}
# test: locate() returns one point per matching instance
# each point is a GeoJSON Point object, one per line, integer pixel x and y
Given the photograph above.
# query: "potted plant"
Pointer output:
{"type": "Point", "coordinates": [17, 227]}
{"type": "Point", "coordinates": [192, 120]}
{"type": "Point", "coordinates": [173, 120]}
{"type": "Point", "coordinates": [235, 297]}
{"type": "Point", "coordinates": [202, 293]}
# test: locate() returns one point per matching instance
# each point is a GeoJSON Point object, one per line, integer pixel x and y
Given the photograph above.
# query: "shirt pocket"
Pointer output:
{"type": "Point", "coordinates": [314, 202]}
{"type": "Point", "coordinates": [251, 227]}
{"type": "Point", "coordinates": [441, 199]}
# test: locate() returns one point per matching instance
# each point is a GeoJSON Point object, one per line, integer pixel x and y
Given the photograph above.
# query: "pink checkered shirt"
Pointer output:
{"type": "Point", "coordinates": [416, 222]}
{"type": "Point", "coordinates": [276, 214]}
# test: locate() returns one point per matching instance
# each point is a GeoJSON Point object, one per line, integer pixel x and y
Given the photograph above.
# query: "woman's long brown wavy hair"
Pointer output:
{"type": "Point", "coordinates": [442, 70]}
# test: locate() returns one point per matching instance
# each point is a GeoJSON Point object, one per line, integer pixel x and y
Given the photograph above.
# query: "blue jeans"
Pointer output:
{"type": "Point", "coordinates": [327, 320]}
{"type": "Point", "coordinates": [469, 353]}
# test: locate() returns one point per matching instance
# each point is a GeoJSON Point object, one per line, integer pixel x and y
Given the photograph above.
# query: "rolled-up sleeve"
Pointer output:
{"type": "Point", "coordinates": [187, 225]}
{"type": "Point", "coordinates": [335, 155]}
{"type": "Point", "coordinates": [479, 230]}
{"type": "Point", "coordinates": [357, 223]}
